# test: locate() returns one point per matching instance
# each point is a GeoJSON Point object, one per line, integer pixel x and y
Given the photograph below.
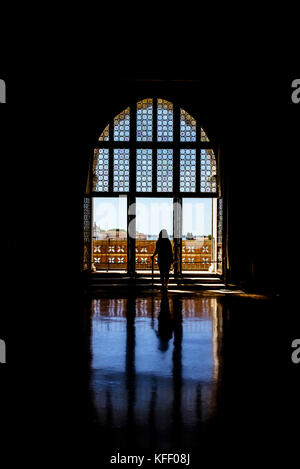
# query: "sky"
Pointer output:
{"type": "Point", "coordinates": [153, 214]}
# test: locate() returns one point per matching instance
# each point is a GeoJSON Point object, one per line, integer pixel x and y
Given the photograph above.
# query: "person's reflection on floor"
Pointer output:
{"type": "Point", "coordinates": [165, 324]}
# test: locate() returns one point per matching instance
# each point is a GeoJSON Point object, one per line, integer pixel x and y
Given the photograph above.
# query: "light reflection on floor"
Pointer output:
{"type": "Point", "coordinates": [155, 367]}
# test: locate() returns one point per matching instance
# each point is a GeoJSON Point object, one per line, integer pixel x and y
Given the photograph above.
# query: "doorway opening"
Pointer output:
{"type": "Point", "coordinates": [199, 240]}
{"type": "Point", "coordinates": [109, 234]}
{"type": "Point", "coordinates": [152, 215]}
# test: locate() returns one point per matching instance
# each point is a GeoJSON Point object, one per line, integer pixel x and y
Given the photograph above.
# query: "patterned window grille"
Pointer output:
{"type": "Point", "coordinates": [86, 261]}
{"type": "Point", "coordinates": [121, 170]}
{"type": "Point", "coordinates": [187, 127]}
{"type": "Point", "coordinates": [122, 126]}
{"type": "Point", "coordinates": [164, 121]}
{"type": "Point", "coordinates": [144, 121]}
{"type": "Point", "coordinates": [154, 169]}
{"type": "Point", "coordinates": [208, 177]}
{"type": "Point", "coordinates": [204, 137]}
{"type": "Point", "coordinates": [104, 137]}
{"type": "Point", "coordinates": [165, 170]}
{"type": "Point", "coordinates": [144, 170]}
{"type": "Point", "coordinates": [112, 254]}
{"type": "Point", "coordinates": [101, 170]}
{"type": "Point", "coordinates": [188, 170]}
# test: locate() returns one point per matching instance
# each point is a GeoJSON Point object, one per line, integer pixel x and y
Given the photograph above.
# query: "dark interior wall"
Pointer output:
{"type": "Point", "coordinates": [245, 118]}
{"type": "Point", "coordinates": [261, 183]}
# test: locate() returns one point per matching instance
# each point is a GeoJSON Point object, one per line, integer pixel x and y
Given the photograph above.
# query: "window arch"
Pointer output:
{"type": "Point", "coordinates": [155, 147]}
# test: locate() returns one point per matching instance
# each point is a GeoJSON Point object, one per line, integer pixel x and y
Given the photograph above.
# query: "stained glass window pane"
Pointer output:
{"type": "Point", "coordinates": [101, 165]}
{"type": "Point", "coordinates": [204, 137]}
{"type": "Point", "coordinates": [164, 121]}
{"type": "Point", "coordinates": [122, 126]}
{"type": "Point", "coordinates": [144, 170]}
{"type": "Point", "coordinates": [187, 127]}
{"type": "Point", "coordinates": [164, 170]}
{"type": "Point", "coordinates": [121, 169]}
{"type": "Point", "coordinates": [144, 120]}
{"type": "Point", "coordinates": [105, 134]}
{"type": "Point", "coordinates": [208, 171]}
{"type": "Point", "coordinates": [188, 170]}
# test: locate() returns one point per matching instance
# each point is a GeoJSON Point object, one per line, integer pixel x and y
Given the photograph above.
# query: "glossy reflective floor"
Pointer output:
{"type": "Point", "coordinates": [155, 367]}
{"type": "Point", "coordinates": [186, 370]}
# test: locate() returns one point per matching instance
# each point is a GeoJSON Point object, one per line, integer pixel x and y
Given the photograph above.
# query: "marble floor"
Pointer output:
{"type": "Point", "coordinates": [184, 370]}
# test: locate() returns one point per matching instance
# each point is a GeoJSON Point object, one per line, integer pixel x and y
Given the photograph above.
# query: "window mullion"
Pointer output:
{"type": "Point", "coordinates": [110, 170]}
{"type": "Point", "coordinates": [198, 170]}
{"type": "Point", "coordinates": [198, 155]}
{"type": "Point", "coordinates": [176, 150]}
{"type": "Point", "coordinates": [154, 131]}
{"type": "Point", "coordinates": [154, 170]}
{"type": "Point", "coordinates": [132, 123]}
{"type": "Point", "coordinates": [111, 158]}
{"type": "Point", "coordinates": [132, 148]}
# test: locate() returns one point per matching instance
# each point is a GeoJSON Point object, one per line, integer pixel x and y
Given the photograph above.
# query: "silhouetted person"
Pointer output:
{"type": "Point", "coordinates": [165, 256]}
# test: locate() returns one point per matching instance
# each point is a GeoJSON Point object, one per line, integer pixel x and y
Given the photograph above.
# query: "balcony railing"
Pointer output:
{"type": "Point", "coordinates": [111, 254]}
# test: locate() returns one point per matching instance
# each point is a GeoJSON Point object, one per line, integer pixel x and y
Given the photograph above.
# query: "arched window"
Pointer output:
{"type": "Point", "coordinates": [156, 148]}
{"type": "Point", "coordinates": [152, 149]}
